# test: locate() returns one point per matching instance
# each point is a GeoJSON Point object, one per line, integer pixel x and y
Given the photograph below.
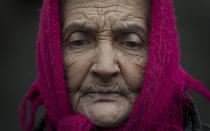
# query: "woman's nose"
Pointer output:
{"type": "Point", "coordinates": [105, 66]}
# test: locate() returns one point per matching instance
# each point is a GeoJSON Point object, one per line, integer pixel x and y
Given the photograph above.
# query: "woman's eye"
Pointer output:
{"type": "Point", "coordinates": [130, 41]}
{"type": "Point", "coordinates": [79, 43]}
{"type": "Point", "coordinates": [130, 44]}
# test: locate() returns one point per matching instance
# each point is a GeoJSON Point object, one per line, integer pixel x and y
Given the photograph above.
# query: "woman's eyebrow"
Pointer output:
{"type": "Point", "coordinates": [135, 28]}
{"type": "Point", "coordinates": [75, 27]}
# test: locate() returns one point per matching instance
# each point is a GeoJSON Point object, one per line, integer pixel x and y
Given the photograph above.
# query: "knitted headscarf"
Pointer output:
{"type": "Point", "coordinates": [161, 102]}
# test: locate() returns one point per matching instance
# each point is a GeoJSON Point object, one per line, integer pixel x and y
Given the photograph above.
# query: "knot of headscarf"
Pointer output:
{"type": "Point", "coordinates": [75, 122]}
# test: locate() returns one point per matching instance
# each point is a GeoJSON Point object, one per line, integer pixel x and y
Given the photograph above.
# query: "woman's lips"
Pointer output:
{"type": "Point", "coordinates": [97, 96]}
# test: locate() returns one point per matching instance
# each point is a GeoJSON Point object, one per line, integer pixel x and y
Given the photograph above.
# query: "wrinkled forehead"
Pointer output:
{"type": "Point", "coordinates": [106, 3]}
{"type": "Point", "coordinates": [104, 12]}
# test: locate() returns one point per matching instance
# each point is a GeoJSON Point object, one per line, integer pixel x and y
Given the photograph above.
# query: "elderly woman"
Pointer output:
{"type": "Point", "coordinates": [111, 65]}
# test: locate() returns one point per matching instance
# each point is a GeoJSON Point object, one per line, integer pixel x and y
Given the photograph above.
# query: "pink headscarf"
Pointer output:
{"type": "Point", "coordinates": [160, 105]}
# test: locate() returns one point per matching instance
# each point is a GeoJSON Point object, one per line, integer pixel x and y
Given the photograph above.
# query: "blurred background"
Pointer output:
{"type": "Point", "coordinates": [18, 32]}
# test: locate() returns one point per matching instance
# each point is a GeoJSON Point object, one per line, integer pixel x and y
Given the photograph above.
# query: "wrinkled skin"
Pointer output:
{"type": "Point", "coordinates": [105, 51]}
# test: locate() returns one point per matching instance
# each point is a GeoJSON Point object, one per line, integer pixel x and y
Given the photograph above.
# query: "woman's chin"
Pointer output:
{"type": "Point", "coordinates": [106, 114]}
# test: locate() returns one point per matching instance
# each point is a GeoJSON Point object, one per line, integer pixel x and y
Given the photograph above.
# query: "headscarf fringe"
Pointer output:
{"type": "Point", "coordinates": [196, 85]}
{"type": "Point", "coordinates": [33, 110]}
{"type": "Point", "coordinates": [33, 97]}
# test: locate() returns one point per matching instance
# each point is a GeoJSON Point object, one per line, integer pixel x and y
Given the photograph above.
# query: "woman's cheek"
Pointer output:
{"type": "Point", "coordinates": [133, 70]}
{"type": "Point", "coordinates": [77, 67]}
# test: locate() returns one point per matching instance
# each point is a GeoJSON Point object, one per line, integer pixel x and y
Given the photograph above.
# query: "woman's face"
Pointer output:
{"type": "Point", "coordinates": [105, 54]}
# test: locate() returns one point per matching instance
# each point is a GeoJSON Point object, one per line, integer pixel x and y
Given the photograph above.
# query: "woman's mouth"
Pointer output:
{"type": "Point", "coordinates": [107, 97]}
